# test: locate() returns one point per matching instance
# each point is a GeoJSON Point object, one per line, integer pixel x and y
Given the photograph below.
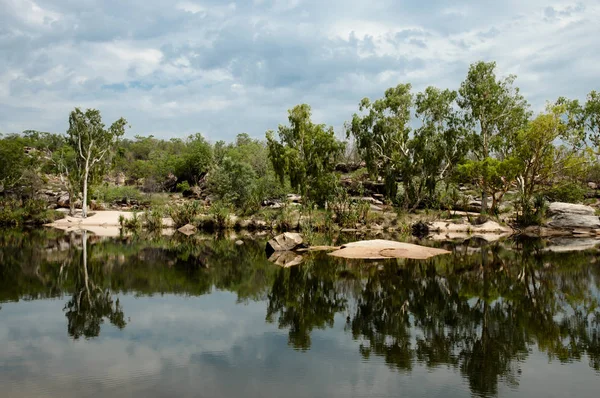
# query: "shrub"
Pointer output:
{"type": "Point", "coordinates": [183, 186]}
{"type": "Point", "coordinates": [570, 192]}
{"type": "Point", "coordinates": [31, 211]}
{"type": "Point", "coordinates": [133, 224]}
{"type": "Point", "coordinates": [185, 214]}
{"type": "Point", "coordinates": [112, 193]}
{"type": "Point", "coordinates": [220, 212]}
{"type": "Point", "coordinates": [532, 212]}
{"type": "Point", "coordinates": [153, 220]}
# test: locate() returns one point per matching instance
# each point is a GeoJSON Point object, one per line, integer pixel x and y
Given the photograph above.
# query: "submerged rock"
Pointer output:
{"type": "Point", "coordinates": [284, 242]}
{"type": "Point", "coordinates": [380, 249]}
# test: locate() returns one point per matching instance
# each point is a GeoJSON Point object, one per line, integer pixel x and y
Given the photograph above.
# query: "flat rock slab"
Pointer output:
{"type": "Point", "coordinates": [487, 227]}
{"type": "Point", "coordinates": [286, 259]}
{"type": "Point", "coordinates": [576, 221]}
{"type": "Point", "coordinates": [556, 208]}
{"type": "Point", "coordinates": [381, 249]}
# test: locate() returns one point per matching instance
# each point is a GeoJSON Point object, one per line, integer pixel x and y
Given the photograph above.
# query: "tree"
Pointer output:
{"type": "Point", "coordinates": [382, 134]}
{"type": "Point", "coordinates": [92, 143]}
{"type": "Point", "coordinates": [435, 148]}
{"type": "Point", "coordinates": [14, 161]}
{"type": "Point", "coordinates": [584, 118]}
{"type": "Point", "coordinates": [495, 112]}
{"type": "Point", "coordinates": [307, 154]}
{"type": "Point", "coordinates": [196, 160]}
{"type": "Point", "coordinates": [541, 162]}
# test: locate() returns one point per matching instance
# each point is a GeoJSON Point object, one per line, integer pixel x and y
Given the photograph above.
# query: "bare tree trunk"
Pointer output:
{"type": "Point", "coordinates": [85, 190]}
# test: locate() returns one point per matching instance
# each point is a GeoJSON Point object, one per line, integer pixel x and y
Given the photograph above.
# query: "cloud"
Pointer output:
{"type": "Point", "coordinates": [222, 68]}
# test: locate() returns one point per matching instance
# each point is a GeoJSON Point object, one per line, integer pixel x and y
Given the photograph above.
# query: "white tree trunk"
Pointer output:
{"type": "Point", "coordinates": [85, 190]}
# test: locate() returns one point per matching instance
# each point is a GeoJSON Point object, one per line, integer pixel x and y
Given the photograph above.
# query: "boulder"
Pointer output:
{"type": "Point", "coordinates": [574, 221]}
{"type": "Point", "coordinates": [294, 198]}
{"type": "Point", "coordinates": [381, 249]}
{"type": "Point", "coordinates": [285, 242]}
{"type": "Point", "coordinates": [193, 193]}
{"type": "Point", "coordinates": [63, 201]}
{"type": "Point", "coordinates": [557, 208]}
{"type": "Point", "coordinates": [592, 185]}
{"type": "Point", "coordinates": [367, 199]}
{"type": "Point", "coordinates": [572, 216]}
{"type": "Point", "coordinates": [239, 242]}
{"type": "Point", "coordinates": [187, 229]}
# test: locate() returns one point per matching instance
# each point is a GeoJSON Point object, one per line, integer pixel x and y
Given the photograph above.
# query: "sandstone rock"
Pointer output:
{"type": "Point", "coordinates": [284, 242]}
{"type": "Point", "coordinates": [556, 208]}
{"type": "Point", "coordinates": [367, 199]}
{"type": "Point", "coordinates": [381, 249]}
{"type": "Point", "coordinates": [574, 221]}
{"type": "Point", "coordinates": [592, 185]}
{"type": "Point", "coordinates": [63, 201]}
{"type": "Point", "coordinates": [294, 198]}
{"type": "Point", "coordinates": [193, 193]}
{"type": "Point", "coordinates": [239, 242]}
{"type": "Point", "coordinates": [187, 229]}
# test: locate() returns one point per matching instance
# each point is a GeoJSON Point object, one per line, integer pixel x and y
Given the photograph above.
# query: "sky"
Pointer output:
{"type": "Point", "coordinates": [173, 68]}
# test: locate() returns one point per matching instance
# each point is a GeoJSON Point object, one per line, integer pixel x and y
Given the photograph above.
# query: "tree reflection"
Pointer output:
{"type": "Point", "coordinates": [90, 304]}
{"type": "Point", "coordinates": [303, 298]}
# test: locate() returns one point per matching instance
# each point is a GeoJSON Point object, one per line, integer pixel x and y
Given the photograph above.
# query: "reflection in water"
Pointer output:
{"type": "Point", "coordinates": [90, 303]}
{"type": "Point", "coordinates": [480, 312]}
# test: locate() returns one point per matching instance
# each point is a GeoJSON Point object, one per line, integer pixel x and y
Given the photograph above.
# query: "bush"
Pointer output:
{"type": "Point", "coordinates": [112, 193]}
{"type": "Point", "coordinates": [153, 220]}
{"type": "Point", "coordinates": [31, 211]}
{"type": "Point", "coordinates": [532, 212]}
{"type": "Point", "coordinates": [220, 212]}
{"type": "Point", "coordinates": [183, 186]}
{"type": "Point", "coordinates": [185, 214]}
{"type": "Point", "coordinates": [132, 224]}
{"type": "Point", "coordinates": [570, 192]}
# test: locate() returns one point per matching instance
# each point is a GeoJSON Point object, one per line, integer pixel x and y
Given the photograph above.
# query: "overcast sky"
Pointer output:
{"type": "Point", "coordinates": [221, 68]}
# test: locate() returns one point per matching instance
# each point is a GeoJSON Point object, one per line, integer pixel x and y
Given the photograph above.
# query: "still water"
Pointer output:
{"type": "Point", "coordinates": [203, 317]}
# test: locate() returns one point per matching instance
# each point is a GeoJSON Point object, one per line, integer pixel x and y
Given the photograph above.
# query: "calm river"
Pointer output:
{"type": "Point", "coordinates": [204, 317]}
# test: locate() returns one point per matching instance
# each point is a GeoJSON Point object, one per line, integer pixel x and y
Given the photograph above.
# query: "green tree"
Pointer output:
{"type": "Point", "coordinates": [306, 153]}
{"type": "Point", "coordinates": [14, 161]}
{"type": "Point", "coordinates": [495, 112]}
{"type": "Point", "coordinates": [196, 160]}
{"type": "Point", "coordinates": [382, 133]}
{"type": "Point", "coordinates": [93, 144]}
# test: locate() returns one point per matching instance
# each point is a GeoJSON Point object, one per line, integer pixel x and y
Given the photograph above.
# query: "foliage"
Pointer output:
{"type": "Point", "coordinates": [568, 192]}
{"type": "Point", "coordinates": [195, 161]}
{"type": "Point", "coordinates": [183, 186]}
{"type": "Point", "coordinates": [16, 212]}
{"type": "Point", "coordinates": [113, 193]}
{"type": "Point", "coordinates": [306, 153]}
{"type": "Point", "coordinates": [185, 213]}
{"type": "Point", "coordinates": [220, 213]}
{"type": "Point", "coordinates": [153, 219]}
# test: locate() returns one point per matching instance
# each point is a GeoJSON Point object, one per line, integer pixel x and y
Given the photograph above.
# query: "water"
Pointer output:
{"type": "Point", "coordinates": [198, 317]}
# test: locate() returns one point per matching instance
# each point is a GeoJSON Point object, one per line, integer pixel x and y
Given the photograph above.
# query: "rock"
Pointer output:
{"type": "Point", "coordinates": [286, 259]}
{"type": "Point", "coordinates": [187, 229]}
{"type": "Point", "coordinates": [375, 208]}
{"type": "Point", "coordinates": [285, 242]}
{"type": "Point", "coordinates": [450, 226]}
{"type": "Point", "coordinates": [572, 216]}
{"type": "Point", "coordinates": [574, 221]}
{"type": "Point", "coordinates": [94, 205]}
{"type": "Point", "coordinates": [294, 198]}
{"type": "Point", "coordinates": [120, 179]}
{"type": "Point", "coordinates": [592, 185]}
{"type": "Point", "coordinates": [193, 193]}
{"type": "Point", "coordinates": [367, 199]}
{"type": "Point", "coordinates": [170, 182]}
{"type": "Point", "coordinates": [557, 208]}
{"type": "Point", "coordinates": [63, 201]}
{"type": "Point", "coordinates": [239, 242]}
{"type": "Point", "coordinates": [381, 249]}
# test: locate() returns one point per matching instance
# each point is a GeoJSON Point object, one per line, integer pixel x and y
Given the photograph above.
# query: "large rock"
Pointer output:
{"type": "Point", "coordinates": [557, 208]}
{"type": "Point", "coordinates": [284, 242]}
{"type": "Point", "coordinates": [63, 201]}
{"type": "Point", "coordinates": [381, 249]}
{"type": "Point", "coordinates": [572, 216]}
{"type": "Point", "coordinates": [574, 221]}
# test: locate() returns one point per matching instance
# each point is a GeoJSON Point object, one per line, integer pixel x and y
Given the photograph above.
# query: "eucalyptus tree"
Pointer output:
{"type": "Point", "coordinates": [584, 118]}
{"type": "Point", "coordinates": [306, 153]}
{"type": "Point", "coordinates": [92, 143]}
{"type": "Point", "coordinates": [495, 112]}
{"type": "Point", "coordinates": [382, 133]}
